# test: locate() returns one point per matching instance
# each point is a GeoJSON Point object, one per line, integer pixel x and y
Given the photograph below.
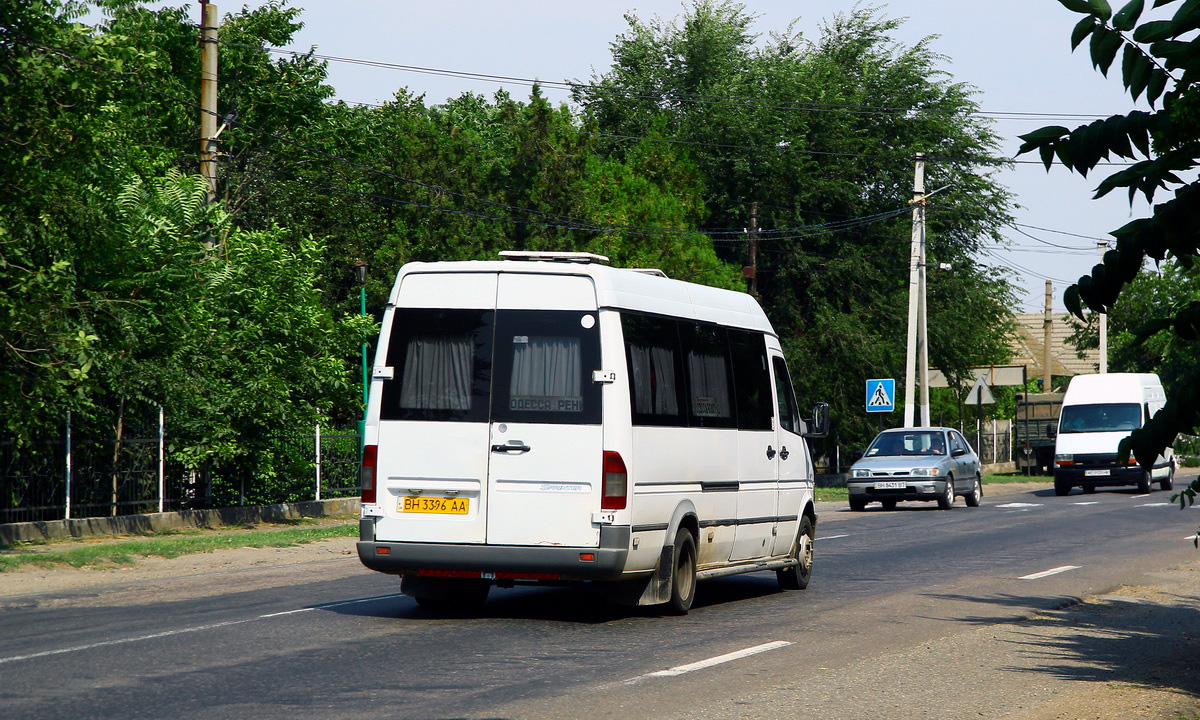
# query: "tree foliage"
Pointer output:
{"type": "Point", "coordinates": [822, 135]}
{"type": "Point", "coordinates": [107, 291]}
{"type": "Point", "coordinates": [1160, 61]}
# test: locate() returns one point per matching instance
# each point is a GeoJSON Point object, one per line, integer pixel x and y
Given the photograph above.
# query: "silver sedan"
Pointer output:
{"type": "Point", "coordinates": [927, 464]}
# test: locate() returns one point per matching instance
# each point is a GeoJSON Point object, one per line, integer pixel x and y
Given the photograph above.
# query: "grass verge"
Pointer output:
{"type": "Point", "coordinates": [1016, 478]}
{"type": "Point", "coordinates": [167, 545]}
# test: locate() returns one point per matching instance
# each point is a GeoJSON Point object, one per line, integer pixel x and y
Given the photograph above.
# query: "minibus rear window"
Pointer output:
{"type": "Point", "coordinates": [544, 364]}
{"type": "Point", "coordinates": [442, 365]}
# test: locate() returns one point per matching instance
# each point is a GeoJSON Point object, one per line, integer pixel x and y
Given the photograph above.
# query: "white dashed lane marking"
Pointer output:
{"type": "Point", "coordinates": [1048, 573]}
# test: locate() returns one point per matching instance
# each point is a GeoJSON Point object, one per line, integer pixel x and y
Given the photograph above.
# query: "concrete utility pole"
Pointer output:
{"type": "Point", "coordinates": [1047, 326]}
{"type": "Point", "coordinates": [750, 272]}
{"type": "Point", "coordinates": [918, 333]}
{"type": "Point", "coordinates": [208, 95]}
{"type": "Point", "coordinates": [1103, 322]}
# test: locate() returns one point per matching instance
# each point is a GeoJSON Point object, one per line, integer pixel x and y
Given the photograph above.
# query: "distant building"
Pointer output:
{"type": "Point", "coordinates": [1029, 349]}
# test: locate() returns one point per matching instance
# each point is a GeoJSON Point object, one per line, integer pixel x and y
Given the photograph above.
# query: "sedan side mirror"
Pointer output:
{"type": "Point", "coordinates": [958, 452]}
{"type": "Point", "coordinates": [818, 426]}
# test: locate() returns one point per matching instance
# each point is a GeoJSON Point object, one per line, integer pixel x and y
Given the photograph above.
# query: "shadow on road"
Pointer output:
{"type": "Point", "coordinates": [1122, 639]}
{"type": "Point", "coordinates": [560, 604]}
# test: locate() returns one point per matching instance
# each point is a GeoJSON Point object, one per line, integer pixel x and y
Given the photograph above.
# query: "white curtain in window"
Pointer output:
{"type": "Point", "coordinates": [437, 373]}
{"type": "Point", "coordinates": [654, 380]}
{"type": "Point", "coordinates": [710, 387]}
{"type": "Point", "coordinates": [665, 397]}
{"type": "Point", "coordinates": [643, 393]}
{"type": "Point", "coordinates": [546, 366]}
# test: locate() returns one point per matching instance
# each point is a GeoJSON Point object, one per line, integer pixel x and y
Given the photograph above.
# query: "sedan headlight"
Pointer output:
{"type": "Point", "coordinates": [860, 473]}
{"type": "Point", "coordinates": [924, 472]}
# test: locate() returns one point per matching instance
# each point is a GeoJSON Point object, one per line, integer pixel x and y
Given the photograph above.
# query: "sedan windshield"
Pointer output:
{"type": "Point", "coordinates": [928, 442]}
{"type": "Point", "coordinates": [1106, 417]}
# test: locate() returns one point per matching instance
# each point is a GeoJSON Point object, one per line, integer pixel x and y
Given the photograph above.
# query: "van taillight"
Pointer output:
{"type": "Point", "coordinates": [616, 482]}
{"type": "Point", "coordinates": [368, 474]}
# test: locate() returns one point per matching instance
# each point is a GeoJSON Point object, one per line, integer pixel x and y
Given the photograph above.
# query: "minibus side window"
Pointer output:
{"type": "Point", "coordinates": [655, 370]}
{"type": "Point", "coordinates": [441, 362]}
{"type": "Point", "coordinates": [751, 380]}
{"type": "Point", "coordinates": [709, 380]}
{"type": "Point", "coordinates": [789, 411]}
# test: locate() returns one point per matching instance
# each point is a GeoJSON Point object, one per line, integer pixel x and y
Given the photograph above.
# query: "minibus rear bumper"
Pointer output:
{"type": "Point", "coordinates": [605, 561]}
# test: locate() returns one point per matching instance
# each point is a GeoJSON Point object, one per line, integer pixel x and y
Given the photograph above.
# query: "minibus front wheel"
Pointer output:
{"type": "Point", "coordinates": [797, 576]}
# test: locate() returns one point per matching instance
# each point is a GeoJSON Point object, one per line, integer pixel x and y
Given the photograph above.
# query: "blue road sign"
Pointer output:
{"type": "Point", "coordinates": [881, 395]}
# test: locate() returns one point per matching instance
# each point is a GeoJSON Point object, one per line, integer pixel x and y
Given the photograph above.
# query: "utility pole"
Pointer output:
{"type": "Point", "coordinates": [1103, 322]}
{"type": "Point", "coordinates": [917, 327]}
{"type": "Point", "coordinates": [208, 96]}
{"type": "Point", "coordinates": [750, 272]}
{"type": "Point", "coordinates": [1047, 326]}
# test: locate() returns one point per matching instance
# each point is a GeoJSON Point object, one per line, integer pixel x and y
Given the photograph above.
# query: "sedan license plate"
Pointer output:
{"type": "Point", "coordinates": [434, 505]}
{"type": "Point", "coordinates": [890, 485]}
{"type": "Point", "coordinates": [1095, 473]}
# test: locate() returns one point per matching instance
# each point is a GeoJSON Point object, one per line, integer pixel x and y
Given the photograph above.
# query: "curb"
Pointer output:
{"type": "Point", "coordinates": [12, 533]}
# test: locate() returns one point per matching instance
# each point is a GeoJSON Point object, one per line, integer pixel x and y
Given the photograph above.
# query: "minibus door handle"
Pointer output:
{"type": "Point", "coordinates": [511, 448]}
{"type": "Point", "coordinates": [783, 453]}
{"type": "Point", "coordinates": [770, 453]}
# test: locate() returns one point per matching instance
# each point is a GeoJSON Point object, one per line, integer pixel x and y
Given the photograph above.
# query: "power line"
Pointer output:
{"type": "Point", "coordinates": [732, 100]}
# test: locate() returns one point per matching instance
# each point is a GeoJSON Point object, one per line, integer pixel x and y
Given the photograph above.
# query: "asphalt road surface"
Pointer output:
{"type": "Point", "coordinates": [331, 639]}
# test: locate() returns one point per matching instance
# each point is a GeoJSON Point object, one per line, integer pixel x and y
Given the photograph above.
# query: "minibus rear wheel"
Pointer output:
{"type": "Point", "coordinates": [683, 574]}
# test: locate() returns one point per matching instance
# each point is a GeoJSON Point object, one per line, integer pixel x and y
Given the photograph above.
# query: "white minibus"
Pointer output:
{"type": "Point", "coordinates": [546, 418]}
{"type": "Point", "coordinates": [1098, 412]}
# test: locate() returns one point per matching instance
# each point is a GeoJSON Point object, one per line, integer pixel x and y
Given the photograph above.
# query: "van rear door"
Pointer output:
{"type": "Point", "coordinates": [433, 437]}
{"type": "Point", "coordinates": [546, 439]}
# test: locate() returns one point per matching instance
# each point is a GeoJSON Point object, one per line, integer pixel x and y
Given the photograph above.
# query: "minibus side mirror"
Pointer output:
{"type": "Point", "coordinates": [1051, 431]}
{"type": "Point", "coordinates": [818, 426]}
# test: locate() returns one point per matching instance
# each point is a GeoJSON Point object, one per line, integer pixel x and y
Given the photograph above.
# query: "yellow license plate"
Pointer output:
{"type": "Point", "coordinates": [435, 505]}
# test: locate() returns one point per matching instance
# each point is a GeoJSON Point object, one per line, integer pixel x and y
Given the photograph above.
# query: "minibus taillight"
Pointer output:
{"type": "Point", "coordinates": [616, 482]}
{"type": "Point", "coordinates": [368, 474]}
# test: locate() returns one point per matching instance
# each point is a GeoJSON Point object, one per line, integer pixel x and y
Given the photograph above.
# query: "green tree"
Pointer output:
{"type": "Point", "coordinates": [107, 294]}
{"type": "Point", "coordinates": [821, 135]}
{"type": "Point", "coordinates": [1160, 61]}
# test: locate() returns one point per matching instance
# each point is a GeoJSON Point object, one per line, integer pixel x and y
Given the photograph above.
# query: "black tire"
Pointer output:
{"type": "Point", "coordinates": [683, 574]}
{"type": "Point", "coordinates": [857, 505]}
{"type": "Point", "coordinates": [1061, 488]}
{"type": "Point", "coordinates": [797, 576]}
{"type": "Point", "coordinates": [888, 504]}
{"type": "Point", "coordinates": [1168, 483]}
{"type": "Point", "coordinates": [946, 500]}
{"type": "Point", "coordinates": [1144, 485]}
{"type": "Point", "coordinates": [976, 493]}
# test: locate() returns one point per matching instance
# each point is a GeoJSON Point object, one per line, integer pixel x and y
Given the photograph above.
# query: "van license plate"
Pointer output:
{"type": "Point", "coordinates": [435, 505]}
{"type": "Point", "coordinates": [1095, 473]}
{"type": "Point", "coordinates": [891, 485]}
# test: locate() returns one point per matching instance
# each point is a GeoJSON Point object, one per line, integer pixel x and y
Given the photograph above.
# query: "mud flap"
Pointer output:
{"type": "Point", "coordinates": [658, 587]}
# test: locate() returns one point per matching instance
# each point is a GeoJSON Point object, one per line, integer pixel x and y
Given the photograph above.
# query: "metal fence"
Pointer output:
{"type": "Point", "coordinates": [76, 474]}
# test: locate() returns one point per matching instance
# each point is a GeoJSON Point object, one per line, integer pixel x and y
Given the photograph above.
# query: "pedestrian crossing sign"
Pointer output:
{"type": "Point", "coordinates": [881, 395]}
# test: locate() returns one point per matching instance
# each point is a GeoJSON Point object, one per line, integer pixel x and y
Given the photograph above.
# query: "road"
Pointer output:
{"type": "Point", "coordinates": [330, 639]}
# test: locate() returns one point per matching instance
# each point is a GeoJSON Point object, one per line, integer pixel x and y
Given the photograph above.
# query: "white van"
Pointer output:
{"type": "Point", "coordinates": [1098, 412]}
{"type": "Point", "coordinates": [546, 418]}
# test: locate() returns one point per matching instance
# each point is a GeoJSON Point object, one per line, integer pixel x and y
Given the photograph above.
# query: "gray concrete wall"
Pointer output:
{"type": "Point", "coordinates": [187, 519]}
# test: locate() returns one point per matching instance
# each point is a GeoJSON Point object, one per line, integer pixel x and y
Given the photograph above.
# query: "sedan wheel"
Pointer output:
{"type": "Point", "coordinates": [976, 493]}
{"type": "Point", "coordinates": [946, 501]}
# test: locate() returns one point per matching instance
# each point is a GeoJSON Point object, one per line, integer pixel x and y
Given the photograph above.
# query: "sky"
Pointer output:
{"type": "Point", "coordinates": [1016, 53]}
